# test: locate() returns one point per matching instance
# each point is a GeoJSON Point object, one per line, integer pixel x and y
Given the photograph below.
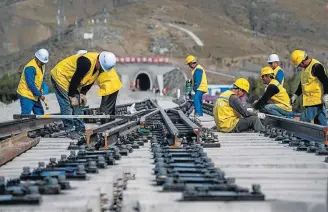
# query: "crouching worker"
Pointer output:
{"type": "Point", "coordinates": [31, 84]}
{"type": "Point", "coordinates": [110, 84]}
{"type": "Point", "coordinates": [229, 113]}
{"type": "Point", "coordinates": [72, 78]}
{"type": "Point", "coordinates": [275, 100]}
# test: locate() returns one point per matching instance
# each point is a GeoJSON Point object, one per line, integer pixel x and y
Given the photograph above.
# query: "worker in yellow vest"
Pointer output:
{"type": "Point", "coordinates": [313, 86]}
{"type": "Point", "coordinates": [230, 115]}
{"type": "Point", "coordinates": [110, 84]}
{"type": "Point", "coordinates": [275, 100]}
{"type": "Point", "coordinates": [30, 86]}
{"type": "Point", "coordinates": [274, 63]}
{"type": "Point", "coordinates": [199, 83]}
{"type": "Point", "coordinates": [72, 78]}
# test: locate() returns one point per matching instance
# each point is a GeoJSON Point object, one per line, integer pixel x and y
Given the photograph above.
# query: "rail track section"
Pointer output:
{"type": "Point", "coordinates": [279, 160]}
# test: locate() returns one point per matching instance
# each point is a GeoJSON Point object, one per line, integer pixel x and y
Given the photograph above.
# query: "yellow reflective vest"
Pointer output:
{"type": "Point", "coordinates": [23, 88]}
{"type": "Point", "coordinates": [109, 82]}
{"type": "Point", "coordinates": [312, 89]}
{"type": "Point", "coordinates": [63, 72]}
{"type": "Point", "coordinates": [275, 73]}
{"type": "Point", "coordinates": [225, 117]}
{"type": "Point", "coordinates": [203, 83]}
{"type": "Point", "coordinates": [280, 99]}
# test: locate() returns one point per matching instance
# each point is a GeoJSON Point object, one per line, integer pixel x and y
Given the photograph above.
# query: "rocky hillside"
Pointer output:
{"type": "Point", "coordinates": [230, 29]}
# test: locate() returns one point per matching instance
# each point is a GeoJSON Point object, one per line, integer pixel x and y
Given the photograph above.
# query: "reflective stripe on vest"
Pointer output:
{"type": "Point", "coordinates": [63, 72]}
{"type": "Point", "coordinates": [23, 88]}
{"type": "Point", "coordinates": [226, 118]}
{"type": "Point", "coordinates": [109, 82]}
{"type": "Point", "coordinates": [312, 89]}
{"type": "Point", "coordinates": [280, 99]}
{"type": "Point", "coordinates": [275, 74]}
{"type": "Point", "coordinates": [203, 83]}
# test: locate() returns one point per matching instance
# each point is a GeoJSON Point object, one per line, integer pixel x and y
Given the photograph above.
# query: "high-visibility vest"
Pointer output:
{"type": "Point", "coordinates": [278, 68]}
{"type": "Point", "coordinates": [109, 82]}
{"type": "Point", "coordinates": [23, 88]}
{"type": "Point", "coordinates": [225, 117]}
{"type": "Point", "coordinates": [203, 83]}
{"type": "Point", "coordinates": [280, 99]}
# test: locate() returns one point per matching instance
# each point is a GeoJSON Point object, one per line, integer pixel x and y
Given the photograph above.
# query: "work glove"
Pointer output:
{"type": "Point", "coordinates": [83, 100]}
{"type": "Point", "coordinates": [42, 92]}
{"type": "Point", "coordinates": [74, 101]}
{"type": "Point", "coordinates": [261, 115]}
{"type": "Point", "coordinates": [325, 100]}
{"type": "Point", "coordinates": [42, 98]}
{"type": "Point", "coordinates": [293, 99]}
{"type": "Point", "coordinates": [251, 110]}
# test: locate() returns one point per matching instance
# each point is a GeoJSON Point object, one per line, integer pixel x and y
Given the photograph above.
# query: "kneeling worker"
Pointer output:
{"type": "Point", "coordinates": [275, 100]}
{"type": "Point", "coordinates": [72, 78]}
{"type": "Point", "coordinates": [229, 113]}
{"type": "Point", "coordinates": [31, 84]}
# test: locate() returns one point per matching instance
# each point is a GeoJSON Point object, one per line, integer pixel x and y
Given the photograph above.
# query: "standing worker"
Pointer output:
{"type": "Point", "coordinates": [199, 84]}
{"type": "Point", "coordinates": [72, 78]}
{"type": "Point", "coordinates": [274, 63]}
{"type": "Point", "coordinates": [275, 99]}
{"type": "Point", "coordinates": [229, 113]}
{"type": "Point", "coordinates": [313, 86]}
{"type": "Point", "coordinates": [31, 84]}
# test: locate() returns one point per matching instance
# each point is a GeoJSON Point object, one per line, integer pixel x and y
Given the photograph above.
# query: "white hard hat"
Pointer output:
{"type": "Point", "coordinates": [42, 55]}
{"type": "Point", "coordinates": [273, 58]}
{"type": "Point", "coordinates": [107, 60]}
{"type": "Point", "coordinates": [82, 51]}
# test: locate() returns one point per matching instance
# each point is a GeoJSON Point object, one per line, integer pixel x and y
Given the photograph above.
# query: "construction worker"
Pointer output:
{"type": "Point", "coordinates": [110, 84]}
{"type": "Point", "coordinates": [274, 63]}
{"type": "Point", "coordinates": [275, 100]}
{"type": "Point", "coordinates": [313, 86]}
{"type": "Point", "coordinates": [30, 88]}
{"type": "Point", "coordinates": [229, 113]}
{"type": "Point", "coordinates": [72, 78]}
{"type": "Point", "coordinates": [199, 83]}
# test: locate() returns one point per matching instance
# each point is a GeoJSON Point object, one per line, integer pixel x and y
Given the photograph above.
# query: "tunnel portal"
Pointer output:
{"type": "Point", "coordinates": [144, 81]}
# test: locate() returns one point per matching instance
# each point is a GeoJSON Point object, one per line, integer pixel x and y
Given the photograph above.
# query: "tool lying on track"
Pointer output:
{"type": "Point", "coordinates": [52, 116]}
{"type": "Point", "coordinates": [46, 104]}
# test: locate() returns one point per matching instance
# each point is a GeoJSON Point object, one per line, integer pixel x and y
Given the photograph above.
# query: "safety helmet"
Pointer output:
{"type": "Point", "coordinates": [266, 70]}
{"type": "Point", "coordinates": [242, 83]}
{"type": "Point", "coordinates": [297, 57]}
{"type": "Point", "coordinates": [107, 60]}
{"type": "Point", "coordinates": [190, 59]}
{"type": "Point", "coordinates": [42, 55]}
{"type": "Point", "coordinates": [82, 51]}
{"type": "Point", "coordinates": [273, 58]}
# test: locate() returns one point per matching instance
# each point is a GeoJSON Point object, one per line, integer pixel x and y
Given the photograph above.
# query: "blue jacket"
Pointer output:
{"type": "Point", "coordinates": [280, 76]}
{"type": "Point", "coordinates": [29, 74]}
{"type": "Point", "coordinates": [198, 74]}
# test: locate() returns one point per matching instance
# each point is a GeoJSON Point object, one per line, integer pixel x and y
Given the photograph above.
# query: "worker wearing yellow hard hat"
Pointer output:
{"type": "Point", "coordinates": [274, 62]}
{"type": "Point", "coordinates": [313, 87]}
{"type": "Point", "coordinates": [231, 115]}
{"type": "Point", "coordinates": [275, 100]}
{"type": "Point", "coordinates": [31, 85]}
{"type": "Point", "coordinates": [198, 83]}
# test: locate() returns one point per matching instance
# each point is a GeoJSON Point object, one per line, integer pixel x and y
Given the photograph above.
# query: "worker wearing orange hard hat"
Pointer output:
{"type": "Point", "coordinates": [313, 86]}
{"type": "Point", "coordinates": [230, 115]}
{"type": "Point", "coordinates": [198, 83]}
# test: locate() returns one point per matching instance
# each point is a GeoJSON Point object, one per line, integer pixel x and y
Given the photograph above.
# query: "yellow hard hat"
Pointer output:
{"type": "Point", "coordinates": [190, 59]}
{"type": "Point", "coordinates": [297, 57]}
{"type": "Point", "coordinates": [242, 83]}
{"type": "Point", "coordinates": [266, 70]}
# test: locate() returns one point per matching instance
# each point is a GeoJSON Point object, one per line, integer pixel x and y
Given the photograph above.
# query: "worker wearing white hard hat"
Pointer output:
{"type": "Point", "coordinates": [72, 78]}
{"type": "Point", "coordinates": [31, 84]}
{"type": "Point", "coordinates": [274, 63]}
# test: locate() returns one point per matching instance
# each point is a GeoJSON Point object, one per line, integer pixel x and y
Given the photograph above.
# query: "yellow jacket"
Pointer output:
{"type": "Point", "coordinates": [109, 82]}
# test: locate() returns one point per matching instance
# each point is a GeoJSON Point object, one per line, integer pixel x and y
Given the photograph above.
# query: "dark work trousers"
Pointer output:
{"type": "Point", "coordinates": [107, 106]}
{"type": "Point", "coordinates": [249, 123]}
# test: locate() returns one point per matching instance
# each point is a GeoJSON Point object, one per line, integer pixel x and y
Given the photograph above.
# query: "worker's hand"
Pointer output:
{"type": "Point", "coordinates": [325, 100]}
{"type": "Point", "coordinates": [42, 92]}
{"type": "Point", "coordinates": [83, 100]}
{"type": "Point", "coordinates": [251, 110]}
{"type": "Point", "coordinates": [42, 98]}
{"type": "Point", "coordinates": [261, 115]}
{"type": "Point", "coordinates": [74, 101]}
{"type": "Point", "coordinates": [293, 99]}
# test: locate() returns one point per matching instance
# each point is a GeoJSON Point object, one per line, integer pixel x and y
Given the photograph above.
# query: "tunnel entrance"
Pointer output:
{"type": "Point", "coordinates": [144, 81]}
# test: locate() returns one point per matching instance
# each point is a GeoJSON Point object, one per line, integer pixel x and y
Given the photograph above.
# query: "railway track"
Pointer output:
{"type": "Point", "coordinates": [155, 157]}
